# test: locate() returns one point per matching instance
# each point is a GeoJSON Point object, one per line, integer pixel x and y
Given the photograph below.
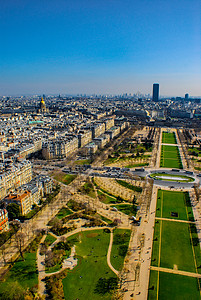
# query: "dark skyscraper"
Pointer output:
{"type": "Point", "coordinates": [155, 92]}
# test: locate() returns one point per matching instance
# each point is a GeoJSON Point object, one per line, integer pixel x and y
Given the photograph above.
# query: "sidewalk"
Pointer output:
{"type": "Point", "coordinates": [140, 259]}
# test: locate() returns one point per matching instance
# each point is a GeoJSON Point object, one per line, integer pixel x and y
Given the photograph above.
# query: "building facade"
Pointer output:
{"type": "Point", "coordinates": [4, 224]}
{"type": "Point", "coordinates": [14, 175]}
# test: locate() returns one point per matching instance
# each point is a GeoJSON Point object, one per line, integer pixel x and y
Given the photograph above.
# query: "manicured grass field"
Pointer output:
{"type": "Point", "coordinates": [170, 157]}
{"type": "Point", "coordinates": [173, 287]}
{"type": "Point", "coordinates": [91, 250]}
{"type": "Point", "coordinates": [127, 209]}
{"type": "Point", "coordinates": [64, 211]}
{"type": "Point", "coordinates": [117, 255]}
{"type": "Point", "coordinates": [23, 272]}
{"type": "Point", "coordinates": [64, 178]}
{"type": "Point", "coordinates": [175, 246]}
{"type": "Point", "coordinates": [174, 202]}
{"type": "Point", "coordinates": [169, 138]}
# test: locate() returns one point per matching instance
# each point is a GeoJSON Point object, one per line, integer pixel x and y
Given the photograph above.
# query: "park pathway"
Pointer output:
{"type": "Point", "coordinates": [175, 220]}
{"type": "Point", "coordinates": [174, 271]}
{"type": "Point", "coordinates": [41, 258]}
{"type": "Point", "coordinates": [109, 254]}
{"type": "Point", "coordinates": [41, 268]}
{"type": "Point", "coordinates": [137, 280]}
{"type": "Point", "coordinates": [158, 159]}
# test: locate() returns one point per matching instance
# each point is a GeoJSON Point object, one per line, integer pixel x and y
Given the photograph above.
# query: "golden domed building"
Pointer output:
{"type": "Point", "coordinates": [42, 108]}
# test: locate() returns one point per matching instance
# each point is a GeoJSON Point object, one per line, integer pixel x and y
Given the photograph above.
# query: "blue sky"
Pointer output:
{"type": "Point", "coordinates": [100, 46]}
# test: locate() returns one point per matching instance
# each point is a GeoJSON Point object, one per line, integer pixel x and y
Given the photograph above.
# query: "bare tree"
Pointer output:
{"type": "Point", "coordinates": [49, 259]}
{"type": "Point", "coordinates": [3, 252]}
{"type": "Point", "coordinates": [20, 239]}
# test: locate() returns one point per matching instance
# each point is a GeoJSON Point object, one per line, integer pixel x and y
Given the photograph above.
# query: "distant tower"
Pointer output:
{"type": "Point", "coordinates": [42, 105]}
{"type": "Point", "coordinates": [155, 92]}
{"type": "Point", "coordinates": [186, 96]}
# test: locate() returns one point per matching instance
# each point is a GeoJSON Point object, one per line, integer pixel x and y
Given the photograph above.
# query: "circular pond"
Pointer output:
{"type": "Point", "coordinates": [170, 177]}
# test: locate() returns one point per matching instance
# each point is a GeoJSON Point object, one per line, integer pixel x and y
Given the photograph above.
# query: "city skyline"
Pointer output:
{"type": "Point", "coordinates": [112, 47]}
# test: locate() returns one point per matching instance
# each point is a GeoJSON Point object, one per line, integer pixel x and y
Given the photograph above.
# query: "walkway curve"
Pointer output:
{"type": "Point", "coordinates": [41, 258]}
{"type": "Point", "coordinates": [41, 268]}
{"type": "Point", "coordinates": [109, 254]}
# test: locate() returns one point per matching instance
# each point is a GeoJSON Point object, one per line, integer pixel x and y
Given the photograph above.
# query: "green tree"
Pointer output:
{"type": "Point", "coordinates": [123, 250]}
{"type": "Point", "coordinates": [13, 211]}
{"type": "Point", "coordinates": [105, 285]}
{"type": "Point", "coordinates": [134, 200]}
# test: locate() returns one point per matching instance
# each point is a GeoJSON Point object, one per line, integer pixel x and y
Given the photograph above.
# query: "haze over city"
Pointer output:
{"type": "Point", "coordinates": [102, 47]}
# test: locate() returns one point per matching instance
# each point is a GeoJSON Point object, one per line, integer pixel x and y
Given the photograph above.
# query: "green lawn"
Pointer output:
{"type": "Point", "coordinates": [179, 249]}
{"type": "Point", "coordinates": [173, 287]}
{"type": "Point", "coordinates": [119, 247]}
{"type": "Point", "coordinates": [155, 246]}
{"type": "Point", "coordinates": [110, 160]}
{"type": "Point", "coordinates": [23, 272]}
{"type": "Point", "coordinates": [137, 165]}
{"type": "Point", "coordinates": [50, 239]}
{"type": "Point", "coordinates": [106, 219]}
{"type": "Point", "coordinates": [127, 209]}
{"type": "Point", "coordinates": [169, 138]}
{"type": "Point", "coordinates": [129, 186]}
{"type": "Point", "coordinates": [55, 268]}
{"type": "Point", "coordinates": [83, 162]}
{"type": "Point", "coordinates": [194, 151]}
{"type": "Point", "coordinates": [176, 247]}
{"type": "Point", "coordinates": [64, 211]}
{"type": "Point", "coordinates": [91, 250]}
{"type": "Point", "coordinates": [173, 202]}
{"type": "Point", "coordinates": [106, 198]}
{"type": "Point", "coordinates": [64, 178]}
{"type": "Point", "coordinates": [88, 189]}
{"type": "Point", "coordinates": [170, 157]}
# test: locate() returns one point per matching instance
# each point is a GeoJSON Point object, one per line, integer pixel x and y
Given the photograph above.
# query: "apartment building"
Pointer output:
{"type": "Point", "coordinates": [31, 193]}
{"type": "Point", "coordinates": [91, 148]}
{"type": "Point", "coordinates": [46, 182]}
{"type": "Point", "coordinates": [114, 131]}
{"type": "Point", "coordinates": [13, 175]}
{"type": "Point", "coordinates": [97, 129]}
{"type": "Point", "coordinates": [109, 123]}
{"type": "Point", "coordinates": [4, 224]}
{"type": "Point", "coordinates": [60, 148]}
{"type": "Point", "coordinates": [21, 198]}
{"type": "Point", "coordinates": [84, 137]}
{"type": "Point", "coordinates": [102, 140]}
